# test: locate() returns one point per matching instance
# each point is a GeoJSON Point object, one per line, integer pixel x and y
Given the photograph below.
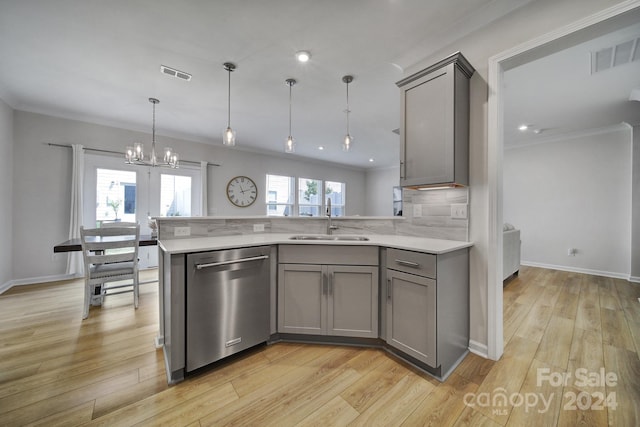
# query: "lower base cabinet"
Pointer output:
{"type": "Point", "coordinates": [427, 306]}
{"type": "Point", "coordinates": [411, 315]}
{"type": "Point", "coordinates": [328, 299]}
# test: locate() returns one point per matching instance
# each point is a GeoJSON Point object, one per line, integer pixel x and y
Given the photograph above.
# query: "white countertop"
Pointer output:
{"type": "Point", "coordinates": [200, 244]}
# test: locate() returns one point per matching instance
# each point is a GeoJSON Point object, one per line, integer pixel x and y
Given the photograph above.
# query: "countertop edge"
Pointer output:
{"type": "Point", "coordinates": [202, 244]}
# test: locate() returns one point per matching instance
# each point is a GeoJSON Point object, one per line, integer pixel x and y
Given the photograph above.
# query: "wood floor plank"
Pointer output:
{"type": "Point", "coordinates": [396, 405]}
{"type": "Point", "coordinates": [555, 346]}
{"type": "Point", "coordinates": [626, 366]}
{"type": "Point", "coordinates": [474, 368]}
{"type": "Point", "coordinates": [444, 404]}
{"type": "Point", "coordinates": [588, 313]}
{"type": "Point", "coordinates": [472, 418]}
{"type": "Point", "coordinates": [615, 329]}
{"type": "Point", "coordinates": [534, 325]}
{"type": "Point", "coordinates": [586, 354]}
{"type": "Point", "coordinates": [71, 417]}
{"type": "Point", "coordinates": [373, 385]}
{"type": "Point", "coordinates": [337, 412]}
{"type": "Point", "coordinates": [541, 399]}
{"type": "Point", "coordinates": [507, 374]}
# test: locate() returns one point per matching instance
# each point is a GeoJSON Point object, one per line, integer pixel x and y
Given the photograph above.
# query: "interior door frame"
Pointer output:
{"type": "Point", "coordinates": [604, 21]}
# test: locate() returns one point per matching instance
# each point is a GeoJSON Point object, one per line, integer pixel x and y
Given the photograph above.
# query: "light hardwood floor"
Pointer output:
{"type": "Point", "coordinates": [56, 369]}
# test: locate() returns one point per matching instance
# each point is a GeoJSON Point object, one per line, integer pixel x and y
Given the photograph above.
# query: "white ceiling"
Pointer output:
{"type": "Point", "coordinates": [559, 95]}
{"type": "Point", "coordinates": [99, 61]}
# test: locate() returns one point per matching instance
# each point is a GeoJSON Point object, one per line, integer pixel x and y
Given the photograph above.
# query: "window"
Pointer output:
{"type": "Point", "coordinates": [175, 195]}
{"type": "Point", "coordinates": [335, 192]}
{"type": "Point", "coordinates": [280, 195]}
{"type": "Point", "coordinates": [115, 195]}
{"type": "Point", "coordinates": [309, 197]}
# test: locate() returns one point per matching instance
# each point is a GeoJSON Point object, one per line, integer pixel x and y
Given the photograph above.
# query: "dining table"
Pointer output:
{"type": "Point", "coordinates": [75, 245]}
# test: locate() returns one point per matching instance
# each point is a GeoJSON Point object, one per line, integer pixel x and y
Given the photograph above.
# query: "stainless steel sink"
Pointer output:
{"type": "Point", "coordinates": [328, 237]}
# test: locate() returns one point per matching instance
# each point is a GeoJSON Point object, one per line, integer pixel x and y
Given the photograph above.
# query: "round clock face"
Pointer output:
{"type": "Point", "coordinates": [242, 191]}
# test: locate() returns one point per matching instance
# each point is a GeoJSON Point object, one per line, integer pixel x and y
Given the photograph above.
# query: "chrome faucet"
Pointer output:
{"type": "Point", "coordinates": [329, 226]}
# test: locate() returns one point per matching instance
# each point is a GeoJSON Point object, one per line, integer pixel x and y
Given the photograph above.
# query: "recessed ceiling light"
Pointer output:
{"type": "Point", "coordinates": [523, 128]}
{"type": "Point", "coordinates": [371, 160]}
{"type": "Point", "coordinates": [321, 147]}
{"type": "Point", "coordinates": [303, 56]}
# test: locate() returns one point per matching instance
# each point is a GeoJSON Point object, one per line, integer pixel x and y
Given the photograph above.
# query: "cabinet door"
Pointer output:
{"type": "Point", "coordinates": [353, 301]}
{"type": "Point", "coordinates": [427, 144]}
{"type": "Point", "coordinates": [411, 315]}
{"type": "Point", "coordinates": [302, 299]}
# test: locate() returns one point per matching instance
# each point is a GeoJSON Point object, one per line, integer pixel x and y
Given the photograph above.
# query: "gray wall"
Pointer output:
{"type": "Point", "coordinates": [6, 194]}
{"type": "Point", "coordinates": [532, 20]}
{"type": "Point", "coordinates": [42, 181]}
{"type": "Point", "coordinates": [573, 192]}
{"type": "Point", "coordinates": [379, 194]}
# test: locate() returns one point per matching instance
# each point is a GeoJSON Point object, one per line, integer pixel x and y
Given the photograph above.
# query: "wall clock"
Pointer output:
{"type": "Point", "coordinates": [242, 191]}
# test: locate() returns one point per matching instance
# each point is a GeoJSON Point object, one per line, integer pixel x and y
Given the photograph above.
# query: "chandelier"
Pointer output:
{"type": "Point", "coordinates": [135, 155]}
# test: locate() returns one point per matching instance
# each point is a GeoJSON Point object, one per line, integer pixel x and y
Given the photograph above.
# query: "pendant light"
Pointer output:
{"type": "Point", "coordinates": [289, 144]}
{"type": "Point", "coordinates": [348, 139]}
{"type": "Point", "coordinates": [229, 135]}
{"type": "Point", "coordinates": [135, 154]}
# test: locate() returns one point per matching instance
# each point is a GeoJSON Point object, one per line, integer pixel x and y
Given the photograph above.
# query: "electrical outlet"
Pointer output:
{"type": "Point", "coordinates": [572, 252]}
{"type": "Point", "coordinates": [459, 211]}
{"type": "Point", "coordinates": [182, 231]}
{"type": "Point", "coordinates": [417, 211]}
{"type": "Point", "coordinates": [258, 227]}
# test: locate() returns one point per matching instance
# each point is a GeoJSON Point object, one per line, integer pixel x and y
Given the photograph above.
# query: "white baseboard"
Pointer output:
{"type": "Point", "coordinates": [35, 280]}
{"type": "Point", "coordinates": [611, 274]}
{"type": "Point", "coordinates": [478, 348]}
{"type": "Point", "coordinates": [634, 279]}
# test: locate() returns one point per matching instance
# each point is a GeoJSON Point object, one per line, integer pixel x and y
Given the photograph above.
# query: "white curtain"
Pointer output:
{"type": "Point", "coordinates": [203, 189]}
{"type": "Point", "coordinates": [75, 263]}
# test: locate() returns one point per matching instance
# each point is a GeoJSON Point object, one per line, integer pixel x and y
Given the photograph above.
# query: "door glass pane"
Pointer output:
{"type": "Point", "coordinates": [175, 195]}
{"type": "Point", "coordinates": [279, 195]}
{"type": "Point", "coordinates": [309, 196]}
{"type": "Point", "coordinates": [115, 195]}
{"type": "Point", "coordinates": [335, 191]}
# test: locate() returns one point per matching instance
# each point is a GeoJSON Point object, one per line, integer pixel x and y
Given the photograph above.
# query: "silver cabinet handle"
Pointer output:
{"type": "Point", "coordinates": [408, 263]}
{"type": "Point", "coordinates": [233, 261]}
{"type": "Point", "coordinates": [402, 171]}
{"type": "Point", "coordinates": [325, 286]}
{"type": "Point", "coordinates": [330, 286]}
{"type": "Point", "coordinates": [389, 289]}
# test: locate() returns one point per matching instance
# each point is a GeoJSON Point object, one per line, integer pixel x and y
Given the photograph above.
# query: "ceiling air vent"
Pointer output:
{"type": "Point", "coordinates": [175, 73]}
{"type": "Point", "coordinates": [614, 56]}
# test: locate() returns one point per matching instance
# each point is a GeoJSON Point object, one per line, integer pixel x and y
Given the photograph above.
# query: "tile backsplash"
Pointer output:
{"type": "Point", "coordinates": [426, 214]}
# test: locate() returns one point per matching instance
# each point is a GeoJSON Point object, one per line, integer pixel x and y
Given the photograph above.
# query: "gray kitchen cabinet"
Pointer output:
{"type": "Point", "coordinates": [427, 306]}
{"type": "Point", "coordinates": [412, 302]}
{"type": "Point", "coordinates": [434, 124]}
{"type": "Point", "coordinates": [320, 291]}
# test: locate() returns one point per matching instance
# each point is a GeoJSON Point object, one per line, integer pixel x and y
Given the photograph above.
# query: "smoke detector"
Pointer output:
{"type": "Point", "coordinates": [175, 73]}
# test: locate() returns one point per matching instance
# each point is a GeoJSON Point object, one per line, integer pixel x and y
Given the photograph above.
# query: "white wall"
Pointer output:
{"type": "Point", "coordinates": [42, 180]}
{"type": "Point", "coordinates": [533, 20]}
{"type": "Point", "coordinates": [573, 193]}
{"type": "Point", "coordinates": [6, 194]}
{"type": "Point", "coordinates": [635, 215]}
{"type": "Point", "coordinates": [379, 191]}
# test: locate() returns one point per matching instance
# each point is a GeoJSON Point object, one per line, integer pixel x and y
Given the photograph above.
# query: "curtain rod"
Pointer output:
{"type": "Point", "coordinates": [98, 150]}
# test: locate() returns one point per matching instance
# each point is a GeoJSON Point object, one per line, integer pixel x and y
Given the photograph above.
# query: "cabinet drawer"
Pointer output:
{"type": "Point", "coordinates": [411, 262]}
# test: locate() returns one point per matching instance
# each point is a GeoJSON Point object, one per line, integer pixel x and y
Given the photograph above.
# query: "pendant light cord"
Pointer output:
{"type": "Point", "coordinates": [348, 111]}
{"type": "Point", "coordinates": [229, 99]}
{"type": "Point", "coordinates": [290, 86]}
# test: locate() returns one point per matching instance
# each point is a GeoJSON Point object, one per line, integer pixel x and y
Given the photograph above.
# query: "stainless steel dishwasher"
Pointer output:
{"type": "Point", "coordinates": [227, 303]}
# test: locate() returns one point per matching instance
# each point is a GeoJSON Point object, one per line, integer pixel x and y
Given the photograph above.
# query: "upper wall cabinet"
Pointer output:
{"type": "Point", "coordinates": [434, 124]}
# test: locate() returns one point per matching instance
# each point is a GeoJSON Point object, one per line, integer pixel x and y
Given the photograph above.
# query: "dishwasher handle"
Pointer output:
{"type": "Point", "coordinates": [233, 261]}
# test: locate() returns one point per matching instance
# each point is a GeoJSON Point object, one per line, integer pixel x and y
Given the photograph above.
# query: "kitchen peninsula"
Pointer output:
{"type": "Point", "coordinates": [362, 285]}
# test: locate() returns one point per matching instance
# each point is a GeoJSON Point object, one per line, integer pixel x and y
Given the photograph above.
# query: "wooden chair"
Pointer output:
{"type": "Point", "coordinates": [110, 255]}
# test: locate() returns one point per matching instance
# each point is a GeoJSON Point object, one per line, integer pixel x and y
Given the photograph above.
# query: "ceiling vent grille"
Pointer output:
{"type": "Point", "coordinates": [613, 56]}
{"type": "Point", "coordinates": [175, 73]}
